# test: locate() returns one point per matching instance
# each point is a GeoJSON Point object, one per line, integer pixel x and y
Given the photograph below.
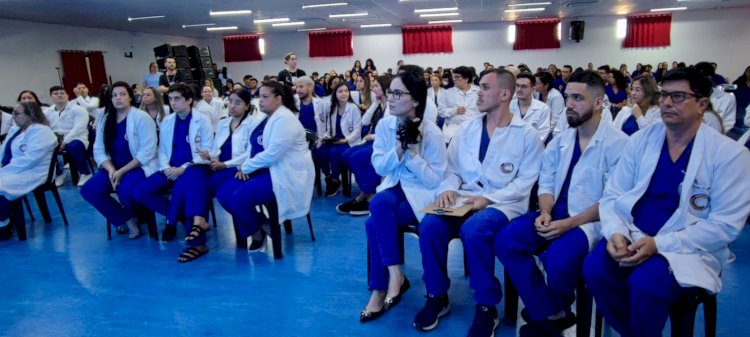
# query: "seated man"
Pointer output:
{"type": "Point", "coordinates": [70, 121]}
{"type": "Point", "coordinates": [680, 194]}
{"type": "Point", "coordinates": [493, 161]}
{"type": "Point", "coordinates": [576, 165]}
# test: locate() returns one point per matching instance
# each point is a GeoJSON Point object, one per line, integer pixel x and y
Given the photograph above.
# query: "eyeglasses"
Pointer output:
{"type": "Point", "coordinates": [396, 94]}
{"type": "Point", "coordinates": [676, 96]}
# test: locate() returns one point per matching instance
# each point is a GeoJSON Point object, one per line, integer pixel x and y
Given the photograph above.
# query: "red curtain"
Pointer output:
{"type": "Point", "coordinates": [427, 39]}
{"type": "Point", "coordinates": [97, 70]}
{"type": "Point", "coordinates": [330, 43]}
{"type": "Point", "coordinates": [239, 48]}
{"type": "Point", "coordinates": [536, 34]}
{"type": "Point", "coordinates": [74, 69]}
{"type": "Point", "coordinates": [648, 30]}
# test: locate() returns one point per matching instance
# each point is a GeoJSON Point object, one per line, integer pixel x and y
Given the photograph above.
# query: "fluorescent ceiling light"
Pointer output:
{"type": "Point", "coordinates": [284, 24]}
{"type": "Point", "coordinates": [325, 5]}
{"type": "Point", "coordinates": [432, 10]}
{"type": "Point", "coordinates": [445, 21]}
{"type": "Point", "coordinates": [530, 4]}
{"type": "Point", "coordinates": [239, 12]}
{"type": "Point", "coordinates": [376, 25]}
{"type": "Point", "coordinates": [347, 15]}
{"type": "Point", "coordinates": [669, 9]}
{"type": "Point", "coordinates": [437, 14]}
{"type": "Point", "coordinates": [212, 29]}
{"type": "Point", "coordinates": [524, 10]}
{"type": "Point", "coordinates": [310, 29]}
{"type": "Point", "coordinates": [146, 17]}
{"type": "Point", "coordinates": [199, 25]}
{"type": "Point", "coordinates": [270, 20]}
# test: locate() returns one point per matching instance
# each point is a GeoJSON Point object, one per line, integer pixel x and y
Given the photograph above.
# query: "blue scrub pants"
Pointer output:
{"type": "Point", "coordinates": [219, 178]}
{"type": "Point", "coordinates": [359, 161]}
{"type": "Point", "coordinates": [563, 257]}
{"type": "Point", "coordinates": [240, 198]}
{"type": "Point", "coordinates": [77, 154]}
{"type": "Point", "coordinates": [635, 301]}
{"type": "Point", "coordinates": [389, 212]}
{"type": "Point", "coordinates": [330, 159]}
{"type": "Point", "coordinates": [477, 233]}
{"type": "Point", "coordinates": [98, 192]}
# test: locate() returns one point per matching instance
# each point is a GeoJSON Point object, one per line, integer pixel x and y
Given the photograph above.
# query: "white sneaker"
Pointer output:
{"type": "Point", "coordinates": [83, 179]}
{"type": "Point", "coordinates": [60, 180]}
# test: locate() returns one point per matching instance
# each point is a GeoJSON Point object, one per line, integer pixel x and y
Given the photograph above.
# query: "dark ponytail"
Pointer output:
{"type": "Point", "coordinates": [285, 91]}
{"type": "Point", "coordinates": [413, 78]}
{"type": "Point", "coordinates": [110, 124]}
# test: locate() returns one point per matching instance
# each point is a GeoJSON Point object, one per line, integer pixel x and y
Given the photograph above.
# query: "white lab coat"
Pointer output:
{"type": "Point", "coordinates": [212, 111]}
{"type": "Point", "coordinates": [652, 115]}
{"type": "Point", "coordinates": [6, 123]}
{"type": "Point", "coordinates": [351, 122]}
{"type": "Point", "coordinates": [140, 132]}
{"type": "Point", "coordinates": [556, 103]}
{"type": "Point", "coordinates": [695, 239]}
{"type": "Point", "coordinates": [537, 116]}
{"type": "Point", "coordinates": [29, 167]}
{"type": "Point", "coordinates": [72, 123]}
{"type": "Point", "coordinates": [240, 138]}
{"type": "Point", "coordinates": [589, 176]}
{"type": "Point", "coordinates": [510, 168]}
{"type": "Point", "coordinates": [726, 105]}
{"type": "Point", "coordinates": [90, 104]}
{"type": "Point", "coordinates": [448, 103]}
{"type": "Point", "coordinates": [367, 114]}
{"type": "Point", "coordinates": [200, 136]}
{"type": "Point", "coordinates": [419, 175]}
{"type": "Point", "coordinates": [710, 119]}
{"type": "Point", "coordinates": [287, 155]}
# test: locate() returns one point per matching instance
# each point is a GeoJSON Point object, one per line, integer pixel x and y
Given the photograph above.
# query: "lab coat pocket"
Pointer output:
{"type": "Point", "coordinates": [699, 199]}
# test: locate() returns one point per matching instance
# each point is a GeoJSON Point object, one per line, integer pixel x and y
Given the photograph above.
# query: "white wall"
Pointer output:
{"type": "Point", "coordinates": [29, 54]}
{"type": "Point", "coordinates": [722, 36]}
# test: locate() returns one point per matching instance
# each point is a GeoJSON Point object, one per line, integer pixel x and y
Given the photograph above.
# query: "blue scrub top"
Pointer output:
{"type": "Point", "coordinates": [339, 133]}
{"type": "Point", "coordinates": [307, 117]}
{"type": "Point", "coordinates": [662, 197]}
{"type": "Point", "coordinates": [181, 152]}
{"type": "Point", "coordinates": [619, 97]}
{"type": "Point", "coordinates": [8, 155]}
{"type": "Point", "coordinates": [485, 142]}
{"type": "Point", "coordinates": [120, 151]}
{"type": "Point", "coordinates": [630, 126]}
{"type": "Point", "coordinates": [226, 148]}
{"type": "Point", "coordinates": [256, 142]}
{"type": "Point", "coordinates": [560, 211]}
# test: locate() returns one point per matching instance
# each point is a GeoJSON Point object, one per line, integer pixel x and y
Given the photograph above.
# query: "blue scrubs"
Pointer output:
{"type": "Point", "coordinates": [77, 155]}
{"type": "Point", "coordinates": [331, 159]}
{"type": "Point", "coordinates": [358, 159]}
{"type": "Point", "coordinates": [307, 117]}
{"type": "Point", "coordinates": [635, 300]}
{"type": "Point", "coordinates": [7, 156]}
{"type": "Point", "coordinates": [485, 142]}
{"type": "Point", "coordinates": [226, 149]}
{"type": "Point", "coordinates": [518, 243]}
{"type": "Point", "coordinates": [98, 190]}
{"type": "Point", "coordinates": [615, 98]}
{"type": "Point", "coordinates": [630, 126]}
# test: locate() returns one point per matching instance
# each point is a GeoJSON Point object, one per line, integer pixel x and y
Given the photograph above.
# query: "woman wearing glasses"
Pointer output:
{"type": "Point", "coordinates": [410, 156]}
{"type": "Point", "coordinates": [645, 108]}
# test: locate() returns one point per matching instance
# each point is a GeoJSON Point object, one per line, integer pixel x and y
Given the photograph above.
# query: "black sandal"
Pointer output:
{"type": "Point", "coordinates": [191, 253]}
{"type": "Point", "coordinates": [195, 232]}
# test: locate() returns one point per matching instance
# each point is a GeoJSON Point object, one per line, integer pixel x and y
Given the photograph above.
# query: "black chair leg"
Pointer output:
{"type": "Point", "coordinates": [153, 231]}
{"type": "Point", "coordinates": [41, 201]}
{"type": "Point", "coordinates": [212, 211]}
{"type": "Point", "coordinates": [288, 227]}
{"type": "Point", "coordinates": [598, 324]}
{"type": "Point", "coordinates": [309, 224]}
{"type": "Point", "coordinates": [28, 208]}
{"type": "Point", "coordinates": [710, 313]}
{"type": "Point", "coordinates": [17, 219]}
{"type": "Point", "coordinates": [273, 215]}
{"type": "Point", "coordinates": [346, 182]}
{"type": "Point", "coordinates": [109, 229]}
{"type": "Point", "coordinates": [56, 194]}
{"type": "Point", "coordinates": [241, 242]}
{"type": "Point", "coordinates": [511, 302]}
{"type": "Point", "coordinates": [318, 184]}
{"type": "Point", "coordinates": [584, 305]}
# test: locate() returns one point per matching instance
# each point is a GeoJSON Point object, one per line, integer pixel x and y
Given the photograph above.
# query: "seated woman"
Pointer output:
{"type": "Point", "coordinates": [183, 134]}
{"type": "Point", "coordinates": [125, 152]}
{"type": "Point", "coordinates": [357, 158]}
{"type": "Point", "coordinates": [24, 159]}
{"type": "Point", "coordinates": [411, 157]}
{"type": "Point", "coordinates": [279, 168]}
{"type": "Point", "coordinates": [617, 92]}
{"type": "Point", "coordinates": [343, 127]}
{"type": "Point", "coordinates": [153, 104]}
{"type": "Point", "coordinates": [645, 109]}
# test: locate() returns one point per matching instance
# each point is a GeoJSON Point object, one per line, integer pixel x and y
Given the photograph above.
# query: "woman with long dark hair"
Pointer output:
{"type": "Point", "coordinates": [411, 157]}
{"type": "Point", "coordinates": [343, 129]}
{"type": "Point", "coordinates": [125, 152]}
{"type": "Point", "coordinates": [617, 91]}
{"type": "Point", "coordinates": [370, 65]}
{"type": "Point", "coordinates": [357, 68]}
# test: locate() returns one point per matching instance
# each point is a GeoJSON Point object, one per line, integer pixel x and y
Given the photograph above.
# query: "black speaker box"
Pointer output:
{"type": "Point", "coordinates": [197, 52]}
{"type": "Point", "coordinates": [188, 74]}
{"type": "Point", "coordinates": [576, 30]}
{"type": "Point", "coordinates": [204, 52]}
{"type": "Point", "coordinates": [183, 62]}
{"type": "Point", "coordinates": [180, 51]}
{"type": "Point", "coordinates": [163, 50]}
{"type": "Point", "coordinates": [208, 73]}
{"type": "Point", "coordinates": [160, 64]}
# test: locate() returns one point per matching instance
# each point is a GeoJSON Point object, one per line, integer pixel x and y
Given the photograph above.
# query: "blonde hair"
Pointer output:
{"type": "Point", "coordinates": [158, 101]}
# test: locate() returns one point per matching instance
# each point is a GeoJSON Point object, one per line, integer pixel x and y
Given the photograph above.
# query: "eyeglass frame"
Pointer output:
{"type": "Point", "coordinates": [395, 94]}
{"type": "Point", "coordinates": [663, 95]}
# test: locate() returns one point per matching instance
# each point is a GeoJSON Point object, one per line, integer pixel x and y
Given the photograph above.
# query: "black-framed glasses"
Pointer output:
{"type": "Point", "coordinates": [676, 96]}
{"type": "Point", "coordinates": [396, 93]}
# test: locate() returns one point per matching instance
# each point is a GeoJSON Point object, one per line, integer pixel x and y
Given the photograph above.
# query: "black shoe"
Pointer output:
{"type": "Point", "coordinates": [548, 327]}
{"type": "Point", "coordinates": [391, 302]}
{"type": "Point", "coordinates": [485, 321]}
{"type": "Point", "coordinates": [332, 187]}
{"type": "Point", "coordinates": [258, 244]}
{"type": "Point", "coordinates": [435, 307]}
{"type": "Point", "coordinates": [6, 232]}
{"type": "Point", "coordinates": [169, 233]}
{"type": "Point", "coordinates": [525, 315]}
{"type": "Point", "coordinates": [360, 208]}
{"type": "Point", "coordinates": [346, 207]}
{"type": "Point", "coordinates": [367, 315]}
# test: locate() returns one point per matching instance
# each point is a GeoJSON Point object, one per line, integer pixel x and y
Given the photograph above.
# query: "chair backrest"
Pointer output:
{"type": "Point", "coordinates": [311, 138]}
{"type": "Point", "coordinates": [52, 163]}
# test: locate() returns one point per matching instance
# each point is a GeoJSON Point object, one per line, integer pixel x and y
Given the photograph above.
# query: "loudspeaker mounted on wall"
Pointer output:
{"type": "Point", "coordinates": [576, 30]}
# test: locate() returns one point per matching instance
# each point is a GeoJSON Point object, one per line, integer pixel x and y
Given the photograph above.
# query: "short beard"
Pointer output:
{"type": "Point", "coordinates": [574, 122]}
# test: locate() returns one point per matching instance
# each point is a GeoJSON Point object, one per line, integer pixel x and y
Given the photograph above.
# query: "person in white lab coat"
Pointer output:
{"type": "Point", "coordinates": [153, 104]}
{"type": "Point", "coordinates": [554, 100]}
{"type": "Point", "coordinates": [458, 104]}
{"type": "Point", "coordinates": [493, 162]}
{"type": "Point", "coordinates": [532, 111]}
{"type": "Point", "coordinates": [6, 121]}
{"type": "Point", "coordinates": [279, 168]}
{"type": "Point", "coordinates": [84, 100]}
{"type": "Point", "coordinates": [343, 129]}
{"type": "Point", "coordinates": [364, 98]}
{"type": "Point", "coordinates": [724, 103]}
{"type": "Point", "coordinates": [644, 111]}
{"type": "Point", "coordinates": [410, 155]}
{"type": "Point", "coordinates": [676, 200]}
{"type": "Point", "coordinates": [70, 121]}
{"type": "Point", "coordinates": [576, 165]}
{"type": "Point", "coordinates": [125, 150]}
{"type": "Point", "coordinates": [210, 106]}
{"type": "Point", "coordinates": [24, 159]}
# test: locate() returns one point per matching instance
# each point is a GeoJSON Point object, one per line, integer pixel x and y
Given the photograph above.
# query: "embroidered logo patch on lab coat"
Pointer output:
{"type": "Point", "coordinates": [507, 167]}
{"type": "Point", "coordinates": [699, 202]}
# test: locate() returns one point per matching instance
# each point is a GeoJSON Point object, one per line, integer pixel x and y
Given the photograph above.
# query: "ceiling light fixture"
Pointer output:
{"type": "Point", "coordinates": [432, 10]}
{"type": "Point", "coordinates": [239, 12]}
{"type": "Point", "coordinates": [146, 18]}
{"type": "Point", "coordinates": [530, 4]}
{"type": "Point", "coordinates": [346, 15]}
{"type": "Point", "coordinates": [437, 14]}
{"type": "Point", "coordinates": [524, 10]}
{"type": "Point", "coordinates": [444, 21]}
{"type": "Point", "coordinates": [257, 21]}
{"type": "Point", "coordinates": [376, 25]}
{"type": "Point", "coordinates": [199, 25]}
{"type": "Point", "coordinates": [284, 24]}
{"type": "Point", "coordinates": [310, 29]}
{"type": "Point", "coordinates": [672, 9]}
{"type": "Point", "coordinates": [213, 29]}
{"type": "Point", "coordinates": [325, 5]}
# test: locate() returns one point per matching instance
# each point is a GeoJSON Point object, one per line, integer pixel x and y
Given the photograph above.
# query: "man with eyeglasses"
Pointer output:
{"type": "Point", "coordinates": [532, 111]}
{"type": "Point", "coordinates": [680, 194]}
{"type": "Point", "coordinates": [458, 104]}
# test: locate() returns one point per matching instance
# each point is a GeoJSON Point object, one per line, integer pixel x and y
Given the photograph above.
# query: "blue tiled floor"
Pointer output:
{"type": "Point", "coordinates": [73, 282]}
